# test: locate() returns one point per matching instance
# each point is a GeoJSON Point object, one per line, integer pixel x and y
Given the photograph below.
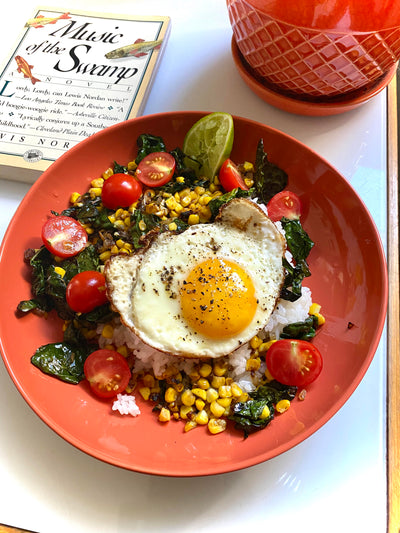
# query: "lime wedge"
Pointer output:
{"type": "Point", "coordinates": [209, 141]}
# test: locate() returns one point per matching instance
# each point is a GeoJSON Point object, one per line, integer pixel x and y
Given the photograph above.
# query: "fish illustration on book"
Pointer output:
{"type": "Point", "coordinates": [40, 21]}
{"type": "Point", "coordinates": [25, 68]}
{"type": "Point", "coordinates": [139, 48]}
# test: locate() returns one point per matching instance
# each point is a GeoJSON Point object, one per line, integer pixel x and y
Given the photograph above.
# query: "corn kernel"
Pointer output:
{"type": "Point", "coordinates": [171, 203]}
{"type": "Point", "coordinates": [75, 196]}
{"type": "Point", "coordinates": [200, 393]}
{"type": "Point", "coordinates": [98, 182]}
{"type": "Point", "coordinates": [321, 319]}
{"type": "Point", "coordinates": [190, 424]}
{"type": "Point", "coordinates": [94, 192]}
{"type": "Point", "coordinates": [148, 380]}
{"type": "Point", "coordinates": [205, 199]}
{"type": "Point", "coordinates": [60, 271]}
{"type": "Point", "coordinates": [255, 342]}
{"type": "Point", "coordinates": [188, 398]}
{"type": "Point", "coordinates": [199, 190]}
{"type": "Point", "coordinates": [132, 165]}
{"type": "Point", "coordinates": [205, 212]}
{"type": "Point", "coordinates": [184, 411]}
{"type": "Point", "coordinates": [282, 406]}
{"type": "Point", "coordinates": [180, 179]}
{"type": "Point", "coordinates": [213, 187]}
{"type": "Point", "coordinates": [171, 395]}
{"type": "Point", "coordinates": [225, 402]}
{"type": "Point", "coordinates": [200, 404]}
{"type": "Point", "coordinates": [225, 391]}
{"type": "Point", "coordinates": [108, 331]}
{"type": "Point", "coordinates": [314, 308]}
{"type": "Point", "coordinates": [193, 219]}
{"type": "Point", "coordinates": [185, 200]}
{"type": "Point", "coordinates": [216, 426]}
{"type": "Point", "coordinates": [145, 392]}
{"type": "Point", "coordinates": [201, 418]}
{"type": "Point", "coordinates": [194, 375]}
{"type": "Point", "coordinates": [249, 182]}
{"type": "Point", "coordinates": [203, 383]}
{"type": "Point", "coordinates": [236, 390]}
{"type": "Point", "coordinates": [142, 225]}
{"type": "Point", "coordinates": [123, 350]}
{"type": "Point", "coordinates": [253, 364]}
{"type": "Point", "coordinates": [220, 367]}
{"type": "Point", "coordinates": [265, 346]}
{"type": "Point", "coordinates": [217, 409]}
{"type": "Point", "coordinates": [265, 413]}
{"type": "Point", "coordinates": [205, 370]}
{"type": "Point", "coordinates": [109, 172]}
{"type": "Point", "coordinates": [212, 395]}
{"type": "Point", "coordinates": [120, 224]}
{"type": "Point", "coordinates": [165, 415]}
{"type": "Point", "coordinates": [248, 167]}
{"type": "Point", "coordinates": [217, 381]}
{"type": "Point", "coordinates": [243, 397]}
{"type": "Point", "coordinates": [172, 226]}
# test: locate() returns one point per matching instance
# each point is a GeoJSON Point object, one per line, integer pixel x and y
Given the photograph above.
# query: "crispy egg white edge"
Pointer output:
{"type": "Point", "coordinates": [121, 274]}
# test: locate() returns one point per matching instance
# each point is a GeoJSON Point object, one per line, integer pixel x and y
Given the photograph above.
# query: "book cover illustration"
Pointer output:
{"type": "Point", "coordinates": [71, 75]}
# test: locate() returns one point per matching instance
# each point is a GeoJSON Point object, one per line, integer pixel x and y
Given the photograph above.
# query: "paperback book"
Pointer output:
{"type": "Point", "coordinates": [71, 74]}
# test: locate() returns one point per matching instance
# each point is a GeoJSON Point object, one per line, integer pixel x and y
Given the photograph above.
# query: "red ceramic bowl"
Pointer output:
{"type": "Point", "coordinates": [317, 48]}
{"type": "Point", "coordinates": [348, 279]}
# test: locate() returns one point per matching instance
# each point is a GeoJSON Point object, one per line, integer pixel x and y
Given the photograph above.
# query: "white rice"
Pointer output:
{"type": "Point", "coordinates": [148, 358]}
{"type": "Point", "coordinates": [125, 404]}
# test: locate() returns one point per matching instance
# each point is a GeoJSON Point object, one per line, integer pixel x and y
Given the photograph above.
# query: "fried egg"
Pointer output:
{"type": "Point", "coordinates": [204, 292]}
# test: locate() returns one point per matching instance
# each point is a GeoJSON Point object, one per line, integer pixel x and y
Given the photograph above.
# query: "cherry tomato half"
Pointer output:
{"type": "Point", "coordinates": [230, 177]}
{"type": "Point", "coordinates": [156, 169]}
{"type": "Point", "coordinates": [284, 204]}
{"type": "Point", "coordinates": [86, 291]}
{"type": "Point", "coordinates": [120, 190]}
{"type": "Point", "coordinates": [107, 372]}
{"type": "Point", "coordinates": [294, 362]}
{"type": "Point", "coordinates": [64, 236]}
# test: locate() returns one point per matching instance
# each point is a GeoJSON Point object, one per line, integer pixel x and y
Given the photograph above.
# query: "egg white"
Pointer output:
{"type": "Point", "coordinates": [144, 287]}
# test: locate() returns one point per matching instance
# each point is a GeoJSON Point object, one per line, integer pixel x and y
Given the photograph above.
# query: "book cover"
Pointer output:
{"type": "Point", "coordinates": [71, 74]}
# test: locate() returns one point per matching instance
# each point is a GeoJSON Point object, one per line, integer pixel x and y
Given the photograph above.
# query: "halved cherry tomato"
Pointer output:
{"type": "Point", "coordinates": [64, 236]}
{"type": "Point", "coordinates": [120, 190]}
{"type": "Point", "coordinates": [86, 291]}
{"type": "Point", "coordinates": [294, 362]}
{"type": "Point", "coordinates": [156, 169]}
{"type": "Point", "coordinates": [284, 204]}
{"type": "Point", "coordinates": [107, 372]}
{"type": "Point", "coordinates": [230, 178]}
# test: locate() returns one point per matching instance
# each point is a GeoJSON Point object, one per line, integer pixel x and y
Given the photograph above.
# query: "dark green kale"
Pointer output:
{"type": "Point", "coordinates": [119, 169]}
{"type": "Point", "coordinates": [269, 179]}
{"type": "Point", "coordinates": [299, 245]}
{"type": "Point", "coordinates": [91, 212]}
{"type": "Point", "coordinates": [61, 360]}
{"type": "Point", "coordinates": [147, 144]}
{"type": "Point", "coordinates": [301, 330]}
{"type": "Point", "coordinates": [298, 241]}
{"type": "Point", "coordinates": [49, 287]}
{"type": "Point", "coordinates": [248, 416]}
{"type": "Point", "coordinates": [142, 223]}
{"type": "Point", "coordinates": [219, 201]}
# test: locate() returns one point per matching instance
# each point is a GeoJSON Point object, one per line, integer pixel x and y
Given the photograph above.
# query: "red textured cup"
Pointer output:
{"type": "Point", "coordinates": [317, 47]}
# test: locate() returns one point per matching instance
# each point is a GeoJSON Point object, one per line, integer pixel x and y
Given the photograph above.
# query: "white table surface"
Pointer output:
{"type": "Point", "coordinates": [336, 479]}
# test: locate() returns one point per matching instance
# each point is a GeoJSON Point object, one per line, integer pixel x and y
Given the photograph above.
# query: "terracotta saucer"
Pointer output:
{"type": "Point", "coordinates": [311, 106]}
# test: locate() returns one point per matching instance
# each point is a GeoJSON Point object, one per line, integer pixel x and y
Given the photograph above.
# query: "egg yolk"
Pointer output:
{"type": "Point", "coordinates": [218, 298]}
